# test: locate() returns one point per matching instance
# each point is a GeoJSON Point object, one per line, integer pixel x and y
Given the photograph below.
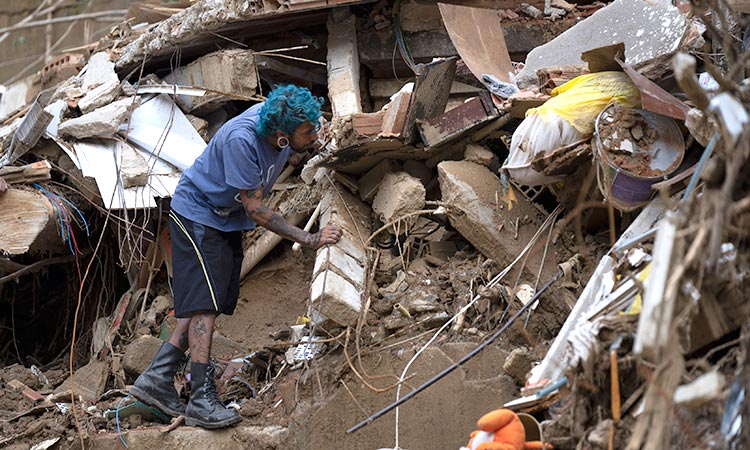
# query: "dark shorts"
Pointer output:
{"type": "Point", "coordinates": [206, 266]}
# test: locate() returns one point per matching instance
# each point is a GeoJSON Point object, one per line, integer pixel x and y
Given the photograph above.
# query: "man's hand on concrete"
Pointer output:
{"type": "Point", "coordinates": [3, 185]}
{"type": "Point", "coordinates": [329, 234]}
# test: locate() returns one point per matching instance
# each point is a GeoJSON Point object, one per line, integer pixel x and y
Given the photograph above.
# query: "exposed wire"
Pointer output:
{"type": "Point", "coordinates": [117, 420]}
{"type": "Point", "coordinates": [496, 279]}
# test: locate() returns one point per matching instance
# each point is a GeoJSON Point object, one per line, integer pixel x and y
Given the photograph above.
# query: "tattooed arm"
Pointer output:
{"type": "Point", "coordinates": [266, 217]}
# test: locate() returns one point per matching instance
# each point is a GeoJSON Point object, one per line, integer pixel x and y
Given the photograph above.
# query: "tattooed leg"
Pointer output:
{"type": "Point", "coordinates": [179, 337]}
{"type": "Point", "coordinates": [200, 334]}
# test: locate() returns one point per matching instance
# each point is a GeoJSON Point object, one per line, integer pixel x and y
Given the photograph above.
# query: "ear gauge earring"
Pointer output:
{"type": "Point", "coordinates": [282, 142]}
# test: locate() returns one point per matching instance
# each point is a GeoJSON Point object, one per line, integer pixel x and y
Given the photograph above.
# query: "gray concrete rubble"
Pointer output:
{"type": "Point", "coordinates": [343, 66]}
{"type": "Point", "coordinates": [399, 195]}
{"type": "Point", "coordinates": [479, 154]}
{"type": "Point", "coordinates": [226, 74]}
{"type": "Point", "coordinates": [650, 33]}
{"type": "Point", "coordinates": [440, 248]}
{"type": "Point", "coordinates": [138, 355]}
{"type": "Point", "coordinates": [102, 122]}
{"type": "Point", "coordinates": [101, 83]}
{"type": "Point", "coordinates": [133, 168]}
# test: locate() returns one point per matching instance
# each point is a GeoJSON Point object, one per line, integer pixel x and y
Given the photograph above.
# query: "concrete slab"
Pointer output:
{"type": "Point", "coordinates": [479, 214]}
{"type": "Point", "coordinates": [343, 67]}
{"type": "Point", "coordinates": [347, 211]}
{"type": "Point", "coordinates": [88, 381]}
{"type": "Point", "coordinates": [139, 353]}
{"type": "Point", "coordinates": [224, 72]}
{"type": "Point", "coordinates": [101, 82]}
{"type": "Point", "coordinates": [102, 122]}
{"type": "Point", "coordinates": [334, 258]}
{"type": "Point", "coordinates": [336, 298]}
{"type": "Point", "coordinates": [650, 32]}
{"type": "Point", "coordinates": [479, 154]}
{"type": "Point", "coordinates": [399, 195]}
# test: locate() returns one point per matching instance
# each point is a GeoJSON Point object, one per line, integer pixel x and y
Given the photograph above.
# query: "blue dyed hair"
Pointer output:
{"type": "Point", "coordinates": [287, 107]}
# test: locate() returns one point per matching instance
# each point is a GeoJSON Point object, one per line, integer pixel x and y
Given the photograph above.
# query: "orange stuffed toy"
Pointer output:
{"type": "Point", "coordinates": [501, 429]}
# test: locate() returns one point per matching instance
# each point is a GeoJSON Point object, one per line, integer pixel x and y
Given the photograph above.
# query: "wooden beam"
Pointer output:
{"type": "Point", "coordinates": [27, 218]}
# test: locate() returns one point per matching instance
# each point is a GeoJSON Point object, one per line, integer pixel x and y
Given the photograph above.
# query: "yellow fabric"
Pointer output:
{"type": "Point", "coordinates": [637, 305]}
{"type": "Point", "coordinates": [581, 99]}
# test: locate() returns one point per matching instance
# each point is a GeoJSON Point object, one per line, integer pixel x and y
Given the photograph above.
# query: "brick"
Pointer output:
{"type": "Point", "coordinates": [368, 124]}
{"type": "Point", "coordinates": [395, 115]}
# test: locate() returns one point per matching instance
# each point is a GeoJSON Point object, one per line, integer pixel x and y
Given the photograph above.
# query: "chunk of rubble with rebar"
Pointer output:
{"type": "Point", "coordinates": [339, 276]}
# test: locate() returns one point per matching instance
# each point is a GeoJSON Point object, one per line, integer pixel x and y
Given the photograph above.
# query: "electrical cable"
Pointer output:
{"type": "Point", "coordinates": [117, 420]}
{"type": "Point", "coordinates": [457, 364]}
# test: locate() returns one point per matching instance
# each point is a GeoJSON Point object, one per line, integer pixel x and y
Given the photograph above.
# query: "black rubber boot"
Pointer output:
{"type": "Point", "coordinates": [204, 408]}
{"type": "Point", "coordinates": [155, 386]}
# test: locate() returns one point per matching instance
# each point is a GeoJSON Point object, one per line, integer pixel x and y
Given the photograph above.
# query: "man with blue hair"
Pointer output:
{"type": "Point", "coordinates": [217, 198]}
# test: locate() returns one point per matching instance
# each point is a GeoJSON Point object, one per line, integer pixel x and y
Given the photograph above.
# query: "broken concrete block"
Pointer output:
{"type": "Point", "coordinates": [101, 83]}
{"type": "Point", "coordinates": [479, 154]}
{"type": "Point", "coordinates": [225, 348]}
{"type": "Point", "coordinates": [339, 273]}
{"type": "Point", "coordinates": [313, 171]}
{"type": "Point", "coordinates": [343, 67]}
{"type": "Point", "coordinates": [355, 250]}
{"type": "Point", "coordinates": [102, 122]}
{"type": "Point", "coordinates": [134, 169]}
{"type": "Point", "coordinates": [474, 193]}
{"type": "Point", "coordinates": [331, 257]}
{"type": "Point", "coordinates": [368, 185]}
{"type": "Point", "coordinates": [16, 96]}
{"type": "Point", "coordinates": [89, 381]}
{"type": "Point", "coordinates": [347, 211]}
{"type": "Point", "coordinates": [139, 353]}
{"type": "Point", "coordinates": [518, 364]}
{"type": "Point", "coordinates": [650, 33]}
{"type": "Point", "coordinates": [224, 73]}
{"type": "Point", "coordinates": [418, 16]}
{"type": "Point", "coordinates": [399, 195]}
{"type": "Point", "coordinates": [336, 298]}
{"type": "Point", "coordinates": [200, 125]}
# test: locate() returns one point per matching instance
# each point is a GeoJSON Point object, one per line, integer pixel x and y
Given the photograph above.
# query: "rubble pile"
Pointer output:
{"type": "Point", "coordinates": [535, 216]}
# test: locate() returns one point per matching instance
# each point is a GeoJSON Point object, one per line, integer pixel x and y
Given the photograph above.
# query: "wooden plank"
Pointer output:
{"type": "Point", "coordinates": [655, 320]}
{"type": "Point", "coordinates": [478, 37]}
{"type": "Point", "coordinates": [431, 91]}
{"type": "Point", "coordinates": [458, 121]}
{"type": "Point", "coordinates": [27, 173]}
{"type": "Point", "coordinates": [24, 217]}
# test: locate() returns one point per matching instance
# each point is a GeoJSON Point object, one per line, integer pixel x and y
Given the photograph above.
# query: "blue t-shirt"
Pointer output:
{"type": "Point", "coordinates": [237, 158]}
